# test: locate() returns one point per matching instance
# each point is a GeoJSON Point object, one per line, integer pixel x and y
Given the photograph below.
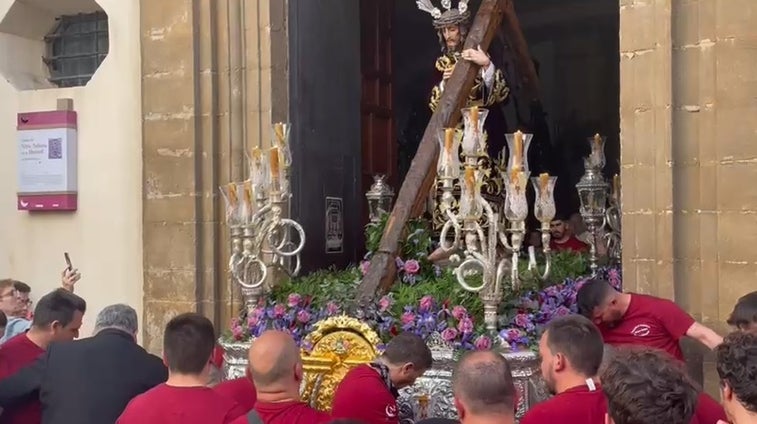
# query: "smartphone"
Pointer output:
{"type": "Point", "coordinates": [68, 261]}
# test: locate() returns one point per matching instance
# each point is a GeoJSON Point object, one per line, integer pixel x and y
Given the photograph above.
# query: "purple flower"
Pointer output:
{"type": "Point", "coordinates": [426, 303]}
{"type": "Point", "coordinates": [521, 320]}
{"type": "Point", "coordinates": [293, 300]}
{"type": "Point", "coordinates": [465, 326]}
{"type": "Point", "coordinates": [449, 334]}
{"type": "Point", "coordinates": [459, 312]}
{"type": "Point", "coordinates": [252, 321]}
{"type": "Point", "coordinates": [279, 310]}
{"type": "Point", "coordinates": [562, 311]}
{"type": "Point", "coordinates": [483, 343]}
{"type": "Point", "coordinates": [303, 316]}
{"type": "Point", "coordinates": [412, 267]}
{"type": "Point", "coordinates": [399, 262]}
{"type": "Point", "coordinates": [385, 303]}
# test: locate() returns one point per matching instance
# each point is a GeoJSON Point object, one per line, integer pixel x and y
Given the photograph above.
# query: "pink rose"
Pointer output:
{"type": "Point", "coordinates": [258, 312]}
{"type": "Point", "coordinates": [365, 266]}
{"type": "Point", "coordinates": [303, 316]}
{"type": "Point", "coordinates": [412, 267]}
{"type": "Point", "coordinates": [332, 308]}
{"type": "Point", "coordinates": [293, 300]}
{"type": "Point", "coordinates": [237, 332]}
{"type": "Point", "coordinates": [449, 334]}
{"type": "Point", "coordinates": [521, 320]}
{"type": "Point", "coordinates": [426, 303]}
{"type": "Point", "coordinates": [252, 321]}
{"type": "Point", "coordinates": [407, 318]}
{"type": "Point", "coordinates": [385, 303]}
{"type": "Point", "coordinates": [562, 311]}
{"type": "Point", "coordinates": [465, 325]}
{"type": "Point", "coordinates": [483, 343]}
{"type": "Point", "coordinates": [459, 312]}
{"type": "Point", "coordinates": [279, 310]}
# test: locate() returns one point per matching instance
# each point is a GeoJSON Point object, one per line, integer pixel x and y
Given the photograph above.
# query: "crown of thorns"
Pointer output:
{"type": "Point", "coordinates": [450, 16]}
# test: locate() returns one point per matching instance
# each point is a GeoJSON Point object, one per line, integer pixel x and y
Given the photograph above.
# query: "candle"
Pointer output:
{"type": "Point", "coordinates": [518, 154]}
{"type": "Point", "coordinates": [278, 128]}
{"type": "Point", "coordinates": [470, 179]}
{"type": "Point", "coordinates": [474, 118]}
{"type": "Point", "coordinates": [616, 185]}
{"type": "Point", "coordinates": [515, 176]}
{"type": "Point", "coordinates": [256, 154]}
{"type": "Point", "coordinates": [274, 161]}
{"type": "Point", "coordinates": [544, 183]}
{"type": "Point", "coordinates": [449, 137]}
{"type": "Point", "coordinates": [248, 192]}
{"type": "Point", "coordinates": [597, 141]}
{"type": "Point", "coordinates": [233, 197]}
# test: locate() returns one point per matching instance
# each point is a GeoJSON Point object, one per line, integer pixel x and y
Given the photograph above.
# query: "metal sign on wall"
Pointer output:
{"type": "Point", "coordinates": [334, 225]}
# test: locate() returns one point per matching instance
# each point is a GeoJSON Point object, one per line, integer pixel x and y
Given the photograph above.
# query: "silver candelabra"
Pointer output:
{"type": "Point", "coordinates": [261, 235]}
{"type": "Point", "coordinates": [483, 256]}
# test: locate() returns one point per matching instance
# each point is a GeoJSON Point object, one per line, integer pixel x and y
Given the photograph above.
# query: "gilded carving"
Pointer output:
{"type": "Point", "coordinates": [335, 346]}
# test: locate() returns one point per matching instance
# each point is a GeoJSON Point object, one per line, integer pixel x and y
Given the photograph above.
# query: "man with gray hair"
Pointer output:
{"type": "Point", "coordinates": [89, 380]}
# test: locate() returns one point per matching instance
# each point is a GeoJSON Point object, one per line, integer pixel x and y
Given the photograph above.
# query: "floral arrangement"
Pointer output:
{"type": "Point", "coordinates": [427, 301]}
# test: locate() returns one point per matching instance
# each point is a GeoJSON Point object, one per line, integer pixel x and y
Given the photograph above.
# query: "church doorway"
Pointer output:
{"type": "Point", "coordinates": [575, 47]}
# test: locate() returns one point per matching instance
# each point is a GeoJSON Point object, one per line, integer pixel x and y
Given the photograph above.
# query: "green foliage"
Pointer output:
{"type": "Point", "coordinates": [322, 286]}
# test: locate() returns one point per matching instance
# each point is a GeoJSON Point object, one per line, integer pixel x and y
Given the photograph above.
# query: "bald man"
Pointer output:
{"type": "Point", "coordinates": [276, 369]}
{"type": "Point", "coordinates": [483, 389]}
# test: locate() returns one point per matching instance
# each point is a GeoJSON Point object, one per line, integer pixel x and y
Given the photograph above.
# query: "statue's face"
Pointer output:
{"type": "Point", "coordinates": [453, 38]}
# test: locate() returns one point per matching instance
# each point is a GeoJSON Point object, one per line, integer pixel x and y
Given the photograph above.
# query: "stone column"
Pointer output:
{"type": "Point", "coordinates": [689, 157]}
{"type": "Point", "coordinates": [205, 100]}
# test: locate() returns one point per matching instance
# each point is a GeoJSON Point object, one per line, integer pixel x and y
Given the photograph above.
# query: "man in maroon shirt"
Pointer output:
{"type": "Point", "coordinates": [644, 385]}
{"type": "Point", "coordinates": [737, 369]}
{"type": "Point", "coordinates": [744, 315]}
{"type": "Point", "coordinates": [276, 368]}
{"type": "Point", "coordinates": [241, 390]}
{"type": "Point", "coordinates": [563, 238]}
{"type": "Point", "coordinates": [637, 319]}
{"type": "Point", "coordinates": [483, 389]}
{"type": "Point", "coordinates": [369, 392]}
{"type": "Point", "coordinates": [57, 317]}
{"type": "Point", "coordinates": [188, 343]}
{"type": "Point", "coordinates": [571, 352]}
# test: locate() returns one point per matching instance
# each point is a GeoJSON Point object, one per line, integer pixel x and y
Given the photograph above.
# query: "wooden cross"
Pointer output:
{"type": "Point", "coordinates": [420, 177]}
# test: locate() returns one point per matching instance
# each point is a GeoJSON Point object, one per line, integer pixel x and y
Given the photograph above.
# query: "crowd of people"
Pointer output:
{"type": "Point", "coordinates": [618, 361]}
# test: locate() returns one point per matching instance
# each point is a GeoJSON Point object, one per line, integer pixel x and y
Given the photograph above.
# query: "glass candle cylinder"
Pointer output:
{"type": "Point", "coordinates": [544, 202]}
{"type": "Point", "coordinates": [516, 204]}
{"type": "Point", "coordinates": [597, 156]}
{"type": "Point", "coordinates": [517, 147]}
{"type": "Point", "coordinates": [281, 140]}
{"type": "Point", "coordinates": [474, 141]}
{"type": "Point", "coordinates": [448, 165]}
{"type": "Point", "coordinates": [470, 198]}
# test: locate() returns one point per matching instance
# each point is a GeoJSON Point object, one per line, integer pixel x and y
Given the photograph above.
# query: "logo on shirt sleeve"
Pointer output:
{"type": "Point", "coordinates": [641, 330]}
{"type": "Point", "coordinates": [391, 411]}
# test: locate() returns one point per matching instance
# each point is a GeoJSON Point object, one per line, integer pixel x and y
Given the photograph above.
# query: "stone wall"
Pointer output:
{"type": "Point", "coordinates": [210, 74]}
{"type": "Point", "coordinates": [688, 92]}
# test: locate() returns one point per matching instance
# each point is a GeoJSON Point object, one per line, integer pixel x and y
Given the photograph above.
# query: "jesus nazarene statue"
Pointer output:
{"type": "Point", "coordinates": [489, 91]}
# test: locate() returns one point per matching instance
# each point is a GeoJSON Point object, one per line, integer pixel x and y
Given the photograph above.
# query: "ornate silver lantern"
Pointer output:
{"type": "Point", "coordinates": [592, 192]}
{"type": "Point", "coordinates": [380, 198]}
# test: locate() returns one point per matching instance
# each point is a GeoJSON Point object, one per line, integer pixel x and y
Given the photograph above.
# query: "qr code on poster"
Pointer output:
{"type": "Point", "coordinates": [54, 148]}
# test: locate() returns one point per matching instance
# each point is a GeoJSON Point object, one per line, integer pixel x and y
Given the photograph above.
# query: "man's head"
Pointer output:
{"type": "Point", "coordinates": [646, 386]}
{"type": "Point", "coordinates": [737, 369]}
{"type": "Point", "coordinates": [275, 363]}
{"type": "Point", "coordinates": [599, 301]}
{"type": "Point", "coordinates": [23, 291]}
{"type": "Point", "coordinates": [407, 357]}
{"type": "Point", "coordinates": [570, 347]}
{"type": "Point", "coordinates": [58, 315]}
{"type": "Point", "coordinates": [119, 317]}
{"type": "Point", "coordinates": [482, 385]}
{"type": "Point", "coordinates": [744, 315]}
{"type": "Point", "coordinates": [10, 304]}
{"type": "Point", "coordinates": [188, 344]}
{"type": "Point", "coordinates": [560, 228]}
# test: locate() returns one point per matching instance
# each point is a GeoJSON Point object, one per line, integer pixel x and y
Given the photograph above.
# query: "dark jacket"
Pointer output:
{"type": "Point", "coordinates": [86, 381]}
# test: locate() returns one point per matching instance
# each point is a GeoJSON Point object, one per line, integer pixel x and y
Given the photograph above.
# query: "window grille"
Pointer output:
{"type": "Point", "coordinates": [76, 47]}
